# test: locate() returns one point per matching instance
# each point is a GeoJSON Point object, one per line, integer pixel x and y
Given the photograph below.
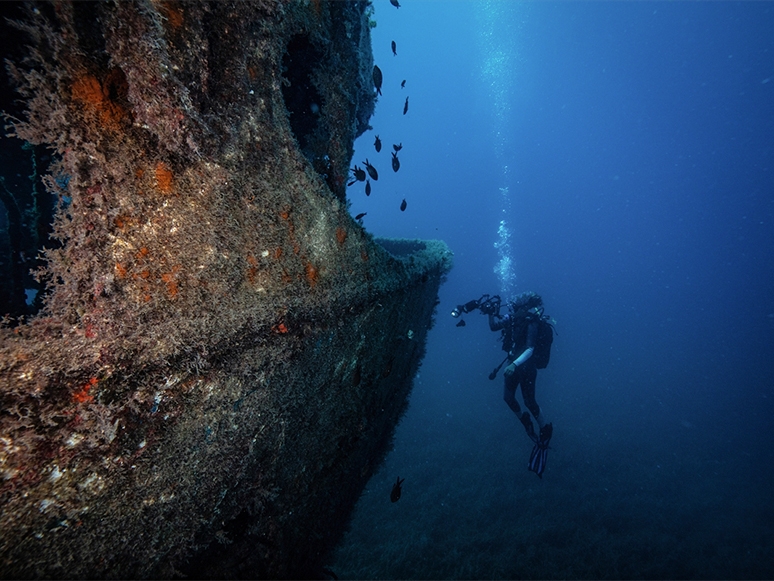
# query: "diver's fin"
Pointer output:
{"type": "Point", "coordinates": [539, 456]}
{"type": "Point", "coordinates": [545, 434]}
{"type": "Point", "coordinates": [537, 460]}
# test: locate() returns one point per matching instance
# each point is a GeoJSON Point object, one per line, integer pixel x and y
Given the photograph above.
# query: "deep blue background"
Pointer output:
{"type": "Point", "coordinates": [639, 141]}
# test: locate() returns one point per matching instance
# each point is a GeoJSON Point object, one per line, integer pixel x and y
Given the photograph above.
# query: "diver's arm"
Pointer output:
{"type": "Point", "coordinates": [496, 322]}
{"type": "Point", "coordinates": [526, 354]}
{"type": "Point", "coordinates": [529, 348]}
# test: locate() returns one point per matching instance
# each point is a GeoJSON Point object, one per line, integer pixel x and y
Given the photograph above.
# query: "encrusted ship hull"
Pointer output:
{"type": "Point", "coordinates": [224, 353]}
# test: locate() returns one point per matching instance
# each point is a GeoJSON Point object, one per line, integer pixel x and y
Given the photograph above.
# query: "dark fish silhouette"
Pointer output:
{"type": "Point", "coordinates": [359, 174]}
{"type": "Point", "coordinates": [378, 79]}
{"type": "Point", "coordinates": [360, 216]}
{"type": "Point", "coordinates": [403, 84]}
{"type": "Point", "coordinates": [395, 3]}
{"type": "Point", "coordinates": [405, 107]}
{"type": "Point", "coordinates": [368, 188]}
{"type": "Point", "coordinates": [394, 48]}
{"type": "Point", "coordinates": [398, 147]}
{"type": "Point", "coordinates": [371, 170]}
{"type": "Point", "coordinates": [395, 494]}
{"type": "Point", "coordinates": [460, 324]}
{"type": "Point", "coordinates": [403, 205]}
{"type": "Point", "coordinates": [378, 144]}
{"type": "Point", "coordinates": [395, 162]}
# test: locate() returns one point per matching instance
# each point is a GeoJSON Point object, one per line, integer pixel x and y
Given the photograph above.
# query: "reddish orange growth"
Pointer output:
{"type": "Point", "coordinates": [163, 178]}
{"type": "Point", "coordinates": [139, 173]}
{"type": "Point", "coordinates": [173, 13]}
{"type": "Point", "coordinates": [285, 215]}
{"type": "Point", "coordinates": [311, 274]}
{"type": "Point", "coordinates": [82, 395]}
{"type": "Point", "coordinates": [120, 270]}
{"type": "Point", "coordinates": [341, 235]}
{"type": "Point", "coordinates": [142, 253]}
{"type": "Point", "coordinates": [169, 279]}
{"type": "Point", "coordinates": [87, 89]}
{"type": "Point", "coordinates": [96, 98]}
{"type": "Point", "coordinates": [280, 328]}
{"type": "Point", "coordinates": [253, 270]}
{"type": "Point", "coordinates": [278, 253]}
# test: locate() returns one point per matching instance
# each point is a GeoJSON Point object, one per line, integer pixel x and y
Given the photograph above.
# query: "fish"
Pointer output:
{"type": "Point", "coordinates": [394, 48]}
{"type": "Point", "coordinates": [378, 144]}
{"type": "Point", "coordinates": [395, 162]}
{"type": "Point", "coordinates": [371, 170]}
{"type": "Point", "coordinates": [396, 488]}
{"type": "Point", "coordinates": [378, 79]}
{"type": "Point", "coordinates": [403, 205]}
{"type": "Point", "coordinates": [460, 324]}
{"type": "Point", "coordinates": [359, 174]}
{"type": "Point", "coordinates": [360, 215]}
{"type": "Point", "coordinates": [405, 107]}
{"type": "Point", "coordinates": [368, 188]}
{"type": "Point", "coordinates": [398, 147]}
{"type": "Point", "coordinates": [395, 3]}
{"type": "Point", "coordinates": [403, 84]}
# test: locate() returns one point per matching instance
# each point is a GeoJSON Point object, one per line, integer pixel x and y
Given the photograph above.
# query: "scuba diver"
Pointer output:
{"type": "Point", "coordinates": [527, 335]}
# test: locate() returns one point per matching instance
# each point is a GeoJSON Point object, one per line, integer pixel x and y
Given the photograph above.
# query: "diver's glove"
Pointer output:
{"type": "Point", "coordinates": [510, 370]}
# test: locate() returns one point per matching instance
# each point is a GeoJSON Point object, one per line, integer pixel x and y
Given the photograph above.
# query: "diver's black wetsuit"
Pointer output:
{"type": "Point", "coordinates": [523, 336]}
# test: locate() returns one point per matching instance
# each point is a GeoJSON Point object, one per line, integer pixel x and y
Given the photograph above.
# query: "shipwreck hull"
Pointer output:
{"type": "Point", "coordinates": [224, 353]}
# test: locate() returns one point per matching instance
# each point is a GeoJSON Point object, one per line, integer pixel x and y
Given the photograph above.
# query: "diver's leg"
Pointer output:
{"type": "Point", "coordinates": [509, 395]}
{"type": "Point", "coordinates": [528, 377]}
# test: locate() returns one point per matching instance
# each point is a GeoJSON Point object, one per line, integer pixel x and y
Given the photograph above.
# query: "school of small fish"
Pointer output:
{"type": "Point", "coordinates": [368, 172]}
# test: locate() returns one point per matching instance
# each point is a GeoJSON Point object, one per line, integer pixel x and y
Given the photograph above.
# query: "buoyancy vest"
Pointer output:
{"type": "Point", "coordinates": [515, 334]}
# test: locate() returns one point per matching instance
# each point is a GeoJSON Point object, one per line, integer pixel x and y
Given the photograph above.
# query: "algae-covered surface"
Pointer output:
{"type": "Point", "coordinates": [223, 353]}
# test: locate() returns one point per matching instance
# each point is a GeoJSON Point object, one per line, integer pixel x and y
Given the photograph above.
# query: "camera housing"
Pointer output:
{"type": "Point", "coordinates": [486, 304]}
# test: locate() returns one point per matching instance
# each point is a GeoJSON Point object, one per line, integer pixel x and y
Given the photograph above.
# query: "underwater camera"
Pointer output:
{"type": "Point", "coordinates": [486, 304]}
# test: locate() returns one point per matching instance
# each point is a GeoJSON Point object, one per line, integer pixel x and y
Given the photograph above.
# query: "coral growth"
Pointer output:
{"type": "Point", "coordinates": [190, 379]}
{"type": "Point", "coordinates": [163, 178]}
{"type": "Point", "coordinates": [102, 99]}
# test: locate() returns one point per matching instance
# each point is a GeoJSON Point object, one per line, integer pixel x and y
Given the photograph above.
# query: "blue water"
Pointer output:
{"type": "Point", "coordinates": [618, 159]}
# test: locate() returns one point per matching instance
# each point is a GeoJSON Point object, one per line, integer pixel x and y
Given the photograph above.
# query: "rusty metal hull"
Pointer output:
{"type": "Point", "coordinates": [224, 352]}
